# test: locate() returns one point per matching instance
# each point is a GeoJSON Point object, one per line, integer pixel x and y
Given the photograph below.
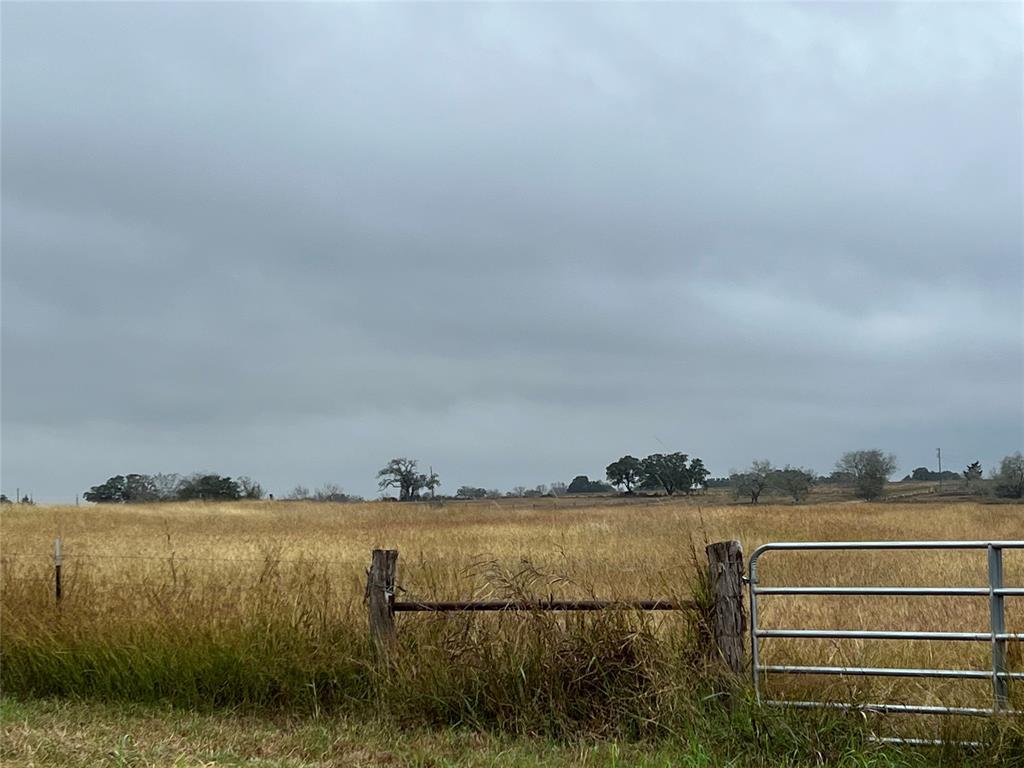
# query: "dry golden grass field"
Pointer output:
{"type": "Point", "coordinates": [261, 603]}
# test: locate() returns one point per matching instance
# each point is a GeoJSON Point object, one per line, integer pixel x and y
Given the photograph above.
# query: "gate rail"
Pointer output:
{"type": "Point", "coordinates": [997, 634]}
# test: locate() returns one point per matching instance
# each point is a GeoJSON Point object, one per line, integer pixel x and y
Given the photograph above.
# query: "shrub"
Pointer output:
{"type": "Point", "coordinates": [1009, 478]}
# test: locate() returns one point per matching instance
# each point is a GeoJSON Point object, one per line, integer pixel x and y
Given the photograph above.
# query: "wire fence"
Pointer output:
{"type": "Point", "coordinates": [467, 563]}
{"type": "Point", "coordinates": [177, 557]}
{"type": "Point", "coordinates": [70, 574]}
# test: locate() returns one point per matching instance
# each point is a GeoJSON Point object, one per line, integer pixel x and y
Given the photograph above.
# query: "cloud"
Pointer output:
{"type": "Point", "coordinates": [516, 241]}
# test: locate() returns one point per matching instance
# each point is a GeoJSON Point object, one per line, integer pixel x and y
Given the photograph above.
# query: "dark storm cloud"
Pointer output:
{"type": "Point", "coordinates": [516, 241]}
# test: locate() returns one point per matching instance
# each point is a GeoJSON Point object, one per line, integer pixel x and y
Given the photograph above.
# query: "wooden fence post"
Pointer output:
{"type": "Point", "coordinates": [729, 623]}
{"type": "Point", "coordinates": [380, 597]}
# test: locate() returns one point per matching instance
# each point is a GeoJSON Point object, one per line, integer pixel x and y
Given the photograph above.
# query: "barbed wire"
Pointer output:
{"type": "Point", "coordinates": [178, 558]}
{"type": "Point", "coordinates": [469, 563]}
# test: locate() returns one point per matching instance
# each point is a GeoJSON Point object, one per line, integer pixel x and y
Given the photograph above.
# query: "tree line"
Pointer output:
{"type": "Point", "coordinates": [518, 491]}
{"type": "Point", "coordinates": [866, 471]}
{"type": "Point", "coordinates": [138, 488]}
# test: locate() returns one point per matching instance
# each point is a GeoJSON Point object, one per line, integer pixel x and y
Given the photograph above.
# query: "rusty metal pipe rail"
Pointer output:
{"type": "Point", "coordinates": [541, 605]}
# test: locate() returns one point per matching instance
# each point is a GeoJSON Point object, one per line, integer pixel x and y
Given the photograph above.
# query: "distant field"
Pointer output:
{"type": "Point", "coordinates": [259, 605]}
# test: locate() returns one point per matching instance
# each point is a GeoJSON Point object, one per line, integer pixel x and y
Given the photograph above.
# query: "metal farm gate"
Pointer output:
{"type": "Point", "coordinates": [997, 635]}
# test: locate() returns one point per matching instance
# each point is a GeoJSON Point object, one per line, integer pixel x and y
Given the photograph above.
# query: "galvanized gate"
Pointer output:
{"type": "Point", "coordinates": [997, 636]}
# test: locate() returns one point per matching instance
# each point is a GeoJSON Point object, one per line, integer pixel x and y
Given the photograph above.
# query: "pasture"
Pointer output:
{"type": "Point", "coordinates": [256, 610]}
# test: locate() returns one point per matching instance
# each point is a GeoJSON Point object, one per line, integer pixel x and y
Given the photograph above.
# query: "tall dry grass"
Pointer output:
{"type": "Point", "coordinates": [261, 604]}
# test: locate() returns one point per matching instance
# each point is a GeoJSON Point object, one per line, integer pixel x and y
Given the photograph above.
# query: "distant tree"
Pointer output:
{"type": "Point", "coordinates": [4, 499]}
{"type": "Point", "coordinates": [332, 492]}
{"type": "Point", "coordinates": [836, 477]}
{"type": "Point", "coordinates": [869, 470]}
{"type": "Point", "coordinates": [794, 481]}
{"type": "Point", "coordinates": [431, 482]}
{"type": "Point", "coordinates": [26, 499]}
{"type": "Point", "coordinates": [299, 493]}
{"type": "Point", "coordinates": [250, 488]}
{"type": "Point", "coordinates": [922, 474]}
{"type": "Point", "coordinates": [517, 492]}
{"type": "Point", "coordinates": [209, 488]}
{"type": "Point", "coordinates": [753, 481]}
{"type": "Point", "coordinates": [558, 489]}
{"type": "Point", "coordinates": [579, 484]}
{"type": "Point", "coordinates": [972, 473]}
{"type": "Point", "coordinates": [540, 490]}
{"type": "Point", "coordinates": [627, 473]}
{"type": "Point", "coordinates": [139, 489]}
{"type": "Point", "coordinates": [470, 492]}
{"type": "Point", "coordinates": [119, 489]}
{"type": "Point", "coordinates": [109, 492]}
{"type": "Point", "coordinates": [166, 485]}
{"type": "Point", "coordinates": [402, 474]}
{"type": "Point", "coordinates": [673, 472]}
{"type": "Point", "coordinates": [698, 474]}
{"type": "Point", "coordinates": [1009, 478]}
{"type": "Point", "coordinates": [583, 484]}
{"type": "Point", "coordinates": [744, 484]}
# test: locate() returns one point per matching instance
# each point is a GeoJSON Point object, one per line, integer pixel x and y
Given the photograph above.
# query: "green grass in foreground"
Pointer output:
{"type": "Point", "coordinates": [77, 733]}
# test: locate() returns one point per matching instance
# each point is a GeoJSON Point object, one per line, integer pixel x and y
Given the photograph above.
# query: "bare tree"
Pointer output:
{"type": "Point", "coordinates": [299, 493]}
{"type": "Point", "coordinates": [331, 492]}
{"type": "Point", "coordinates": [166, 485]}
{"type": "Point", "coordinates": [250, 488]}
{"type": "Point", "coordinates": [752, 482]}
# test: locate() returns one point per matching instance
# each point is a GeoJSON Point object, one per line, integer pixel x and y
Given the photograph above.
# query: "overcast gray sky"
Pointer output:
{"type": "Point", "coordinates": [516, 242]}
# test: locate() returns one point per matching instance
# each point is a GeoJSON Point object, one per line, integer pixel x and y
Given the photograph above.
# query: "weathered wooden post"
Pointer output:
{"type": "Point", "coordinates": [729, 623]}
{"type": "Point", "coordinates": [380, 597]}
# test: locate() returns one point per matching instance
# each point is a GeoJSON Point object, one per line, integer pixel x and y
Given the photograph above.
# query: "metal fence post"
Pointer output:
{"type": "Point", "coordinates": [755, 650]}
{"type": "Point", "coordinates": [57, 563]}
{"type": "Point", "coordinates": [997, 615]}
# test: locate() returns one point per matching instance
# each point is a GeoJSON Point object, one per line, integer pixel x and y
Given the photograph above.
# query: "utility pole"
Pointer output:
{"type": "Point", "coordinates": [938, 452]}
